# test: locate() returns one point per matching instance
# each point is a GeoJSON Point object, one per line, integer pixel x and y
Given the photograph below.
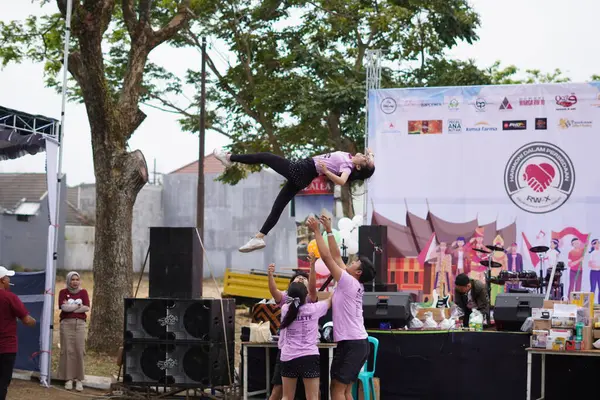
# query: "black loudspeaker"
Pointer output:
{"type": "Point", "coordinates": [372, 243]}
{"type": "Point", "coordinates": [190, 320]}
{"type": "Point", "coordinates": [387, 308]}
{"type": "Point", "coordinates": [179, 342]}
{"type": "Point", "coordinates": [178, 364]}
{"type": "Point", "coordinates": [512, 309]}
{"type": "Point", "coordinates": [175, 263]}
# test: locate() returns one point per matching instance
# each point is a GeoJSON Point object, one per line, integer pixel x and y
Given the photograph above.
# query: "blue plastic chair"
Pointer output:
{"type": "Point", "coordinates": [365, 376]}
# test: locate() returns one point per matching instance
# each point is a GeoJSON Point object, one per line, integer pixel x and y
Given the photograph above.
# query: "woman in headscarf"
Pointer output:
{"type": "Point", "coordinates": [74, 304]}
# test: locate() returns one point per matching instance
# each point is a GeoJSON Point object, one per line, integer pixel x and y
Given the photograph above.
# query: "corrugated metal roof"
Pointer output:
{"type": "Point", "coordinates": [15, 188]}
{"type": "Point", "coordinates": [27, 208]}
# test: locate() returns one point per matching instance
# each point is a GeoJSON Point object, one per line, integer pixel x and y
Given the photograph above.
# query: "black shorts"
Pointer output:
{"type": "Point", "coordinates": [276, 379]}
{"type": "Point", "coordinates": [348, 360]}
{"type": "Point", "coordinates": [307, 367]}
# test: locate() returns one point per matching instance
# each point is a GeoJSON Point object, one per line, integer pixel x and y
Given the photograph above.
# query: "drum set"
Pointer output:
{"type": "Point", "coordinates": [525, 281]}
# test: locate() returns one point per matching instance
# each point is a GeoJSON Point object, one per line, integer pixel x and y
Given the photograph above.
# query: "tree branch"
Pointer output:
{"type": "Point", "coordinates": [129, 16]}
{"type": "Point", "coordinates": [177, 23]}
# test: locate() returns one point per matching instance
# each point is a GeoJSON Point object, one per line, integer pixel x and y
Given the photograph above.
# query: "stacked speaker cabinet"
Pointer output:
{"type": "Point", "coordinates": [372, 243]}
{"type": "Point", "coordinates": [175, 263]}
{"type": "Point", "coordinates": [179, 343]}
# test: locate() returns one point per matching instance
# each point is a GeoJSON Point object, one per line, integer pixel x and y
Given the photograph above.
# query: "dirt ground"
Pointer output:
{"type": "Point", "coordinates": [104, 365]}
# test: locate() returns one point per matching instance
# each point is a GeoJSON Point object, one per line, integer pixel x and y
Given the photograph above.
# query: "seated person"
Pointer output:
{"type": "Point", "coordinates": [471, 294]}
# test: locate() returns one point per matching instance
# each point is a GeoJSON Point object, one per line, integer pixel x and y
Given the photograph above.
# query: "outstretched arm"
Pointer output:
{"type": "Point", "coordinates": [333, 245]}
{"type": "Point", "coordinates": [312, 279]}
{"type": "Point", "coordinates": [332, 266]}
{"type": "Point", "coordinates": [276, 293]}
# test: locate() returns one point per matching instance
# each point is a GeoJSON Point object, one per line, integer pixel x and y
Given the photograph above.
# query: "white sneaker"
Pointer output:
{"type": "Point", "coordinates": [79, 386]}
{"type": "Point", "coordinates": [222, 156]}
{"type": "Point", "coordinates": [254, 244]}
{"type": "Point", "coordinates": [69, 385]}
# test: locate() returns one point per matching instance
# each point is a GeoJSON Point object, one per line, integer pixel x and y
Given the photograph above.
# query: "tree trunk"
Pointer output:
{"type": "Point", "coordinates": [118, 181]}
{"type": "Point", "coordinates": [347, 203]}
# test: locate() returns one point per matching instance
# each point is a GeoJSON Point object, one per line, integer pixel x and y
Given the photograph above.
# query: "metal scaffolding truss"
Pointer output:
{"type": "Point", "coordinates": [28, 124]}
{"type": "Point", "coordinates": [373, 61]}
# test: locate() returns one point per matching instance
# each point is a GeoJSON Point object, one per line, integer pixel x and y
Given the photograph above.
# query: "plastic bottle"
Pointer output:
{"type": "Point", "coordinates": [579, 332]}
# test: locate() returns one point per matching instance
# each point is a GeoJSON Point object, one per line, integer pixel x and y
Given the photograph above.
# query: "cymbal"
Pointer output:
{"type": "Point", "coordinates": [539, 249]}
{"type": "Point", "coordinates": [482, 251]}
{"type": "Point", "coordinates": [494, 248]}
{"type": "Point", "coordinates": [494, 264]}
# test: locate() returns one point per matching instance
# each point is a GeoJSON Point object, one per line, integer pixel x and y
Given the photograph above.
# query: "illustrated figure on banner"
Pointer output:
{"type": "Point", "coordinates": [501, 258]}
{"type": "Point", "coordinates": [594, 264]}
{"type": "Point", "coordinates": [461, 261]}
{"type": "Point", "coordinates": [478, 271]}
{"type": "Point", "coordinates": [443, 270]}
{"type": "Point", "coordinates": [575, 257]}
{"type": "Point", "coordinates": [552, 257]}
{"type": "Point", "coordinates": [515, 259]}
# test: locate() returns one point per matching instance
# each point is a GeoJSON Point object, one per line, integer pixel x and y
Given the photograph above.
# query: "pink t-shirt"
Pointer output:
{"type": "Point", "coordinates": [347, 304]}
{"type": "Point", "coordinates": [337, 162]}
{"type": "Point", "coordinates": [301, 337]}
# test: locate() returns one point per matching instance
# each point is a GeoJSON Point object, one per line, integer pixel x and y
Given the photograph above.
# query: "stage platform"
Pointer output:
{"type": "Point", "coordinates": [490, 365]}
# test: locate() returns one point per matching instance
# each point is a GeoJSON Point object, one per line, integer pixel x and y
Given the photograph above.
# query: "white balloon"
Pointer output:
{"type": "Point", "coordinates": [358, 220]}
{"type": "Point", "coordinates": [345, 224]}
{"type": "Point", "coordinates": [354, 235]}
{"type": "Point", "coordinates": [345, 235]}
{"type": "Point", "coordinates": [352, 246]}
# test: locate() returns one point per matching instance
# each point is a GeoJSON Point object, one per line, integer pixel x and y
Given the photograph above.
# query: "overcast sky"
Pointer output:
{"type": "Point", "coordinates": [531, 34]}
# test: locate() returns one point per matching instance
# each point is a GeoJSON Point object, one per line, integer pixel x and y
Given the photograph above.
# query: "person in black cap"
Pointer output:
{"type": "Point", "coordinates": [471, 294]}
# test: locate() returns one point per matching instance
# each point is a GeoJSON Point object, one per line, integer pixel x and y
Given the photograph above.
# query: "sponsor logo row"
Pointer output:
{"type": "Point", "coordinates": [561, 102]}
{"type": "Point", "coordinates": [436, 126]}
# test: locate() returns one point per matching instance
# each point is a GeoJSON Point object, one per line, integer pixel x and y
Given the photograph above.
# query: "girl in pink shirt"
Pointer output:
{"type": "Point", "coordinates": [340, 167]}
{"type": "Point", "coordinates": [298, 339]}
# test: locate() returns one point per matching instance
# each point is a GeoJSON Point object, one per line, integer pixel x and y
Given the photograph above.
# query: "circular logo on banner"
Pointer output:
{"type": "Point", "coordinates": [388, 105]}
{"type": "Point", "coordinates": [539, 177]}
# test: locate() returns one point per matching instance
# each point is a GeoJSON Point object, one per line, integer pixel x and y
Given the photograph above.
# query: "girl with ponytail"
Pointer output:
{"type": "Point", "coordinates": [298, 339]}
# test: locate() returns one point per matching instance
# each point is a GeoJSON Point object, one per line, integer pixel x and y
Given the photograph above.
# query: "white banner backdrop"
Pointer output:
{"type": "Point", "coordinates": [522, 154]}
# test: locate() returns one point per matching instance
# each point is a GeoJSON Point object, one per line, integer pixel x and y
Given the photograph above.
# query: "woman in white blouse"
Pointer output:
{"type": "Point", "coordinates": [594, 265]}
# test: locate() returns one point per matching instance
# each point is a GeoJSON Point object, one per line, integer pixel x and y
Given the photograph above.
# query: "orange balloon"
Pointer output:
{"type": "Point", "coordinates": [313, 248]}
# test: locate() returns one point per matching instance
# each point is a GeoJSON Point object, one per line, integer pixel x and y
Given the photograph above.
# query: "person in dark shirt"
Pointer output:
{"type": "Point", "coordinates": [470, 294]}
{"type": "Point", "coordinates": [11, 309]}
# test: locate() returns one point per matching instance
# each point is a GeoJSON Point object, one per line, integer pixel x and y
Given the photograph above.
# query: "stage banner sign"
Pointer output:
{"type": "Point", "coordinates": [515, 166]}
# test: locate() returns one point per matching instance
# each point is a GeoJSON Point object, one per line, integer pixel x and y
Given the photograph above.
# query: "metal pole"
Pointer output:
{"type": "Point", "coordinates": [46, 353]}
{"type": "Point", "coordinates": [201, 151]}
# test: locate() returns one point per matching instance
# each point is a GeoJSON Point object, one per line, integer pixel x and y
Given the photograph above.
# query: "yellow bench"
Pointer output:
{"type": "Point", "coordinates": [252, 285]}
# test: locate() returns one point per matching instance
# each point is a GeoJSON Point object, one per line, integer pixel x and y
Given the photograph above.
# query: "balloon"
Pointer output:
{"type": "Point", "coordinates": [345, 224]}
{"type": "Point", "coordinates": [354, 235]}
{"type": "Point", "coordinates": [352, 246]}
{"type": "Point", "coordinates": [321, 268]}
{"type": "Point", "coordinates": [358, 220]}
{"type": "Point", "coordinates": [345, 235]}
{"type": "Point", "coordinates": [336, 235]}
{"type": "Point", "coordinates": [313, 248]}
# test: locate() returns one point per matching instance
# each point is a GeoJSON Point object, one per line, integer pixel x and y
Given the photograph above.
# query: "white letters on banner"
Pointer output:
{"type": "Point", "coordinates": [515, 165]}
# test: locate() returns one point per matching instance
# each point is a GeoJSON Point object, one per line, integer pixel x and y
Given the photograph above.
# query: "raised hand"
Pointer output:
{"type": "Point", "coordinates": [312, 259]}
{"type": "Point", "coordinates": [326, 222]}
{"type": "Point", "coordinates": [271, 269]}
{"type": "Point", "coordinates": [312, 224]}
